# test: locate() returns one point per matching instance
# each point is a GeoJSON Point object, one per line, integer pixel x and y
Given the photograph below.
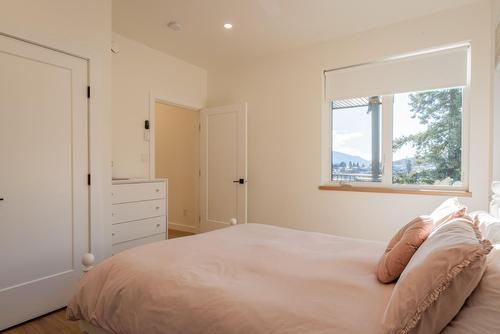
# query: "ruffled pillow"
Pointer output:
{"type": "Point", "coordinates": [440, 276]}
{"type": "Point", "coordinates": [449, 209]}
{"type": "Point", "coordinates": [406, 242]}
{"type": "Point", "coordinates": [481, 312]}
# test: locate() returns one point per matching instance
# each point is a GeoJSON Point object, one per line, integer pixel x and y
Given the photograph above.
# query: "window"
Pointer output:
{"type": "Point", "coordinates": [356, 140]}
{"type": "Point", "coordinates": [425, 139]}
{"type": "Point", "coordinates": [399, 123]}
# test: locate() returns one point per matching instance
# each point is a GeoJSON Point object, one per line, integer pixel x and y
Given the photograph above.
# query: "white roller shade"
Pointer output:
{"type": "Point", "coordinates": [439, 69]}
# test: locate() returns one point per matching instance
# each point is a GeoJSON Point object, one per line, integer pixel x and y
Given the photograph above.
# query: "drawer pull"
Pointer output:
{"type": "Point", "coordinates": [157, 190]}
{"type": "Point", "coordinates": [157, 225]}
{"type": "Point", "coordinates": [157, 208]}
{"type": "Point", "coordinates": [112, 234]}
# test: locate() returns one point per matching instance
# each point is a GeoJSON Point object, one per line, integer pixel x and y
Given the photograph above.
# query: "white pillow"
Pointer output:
{"type": "Point", "coordinates": [489, 226]}
{"type": "Point", "coordinates": [449, 209]}
{"type": "Point", "coordinates": [481, 312]}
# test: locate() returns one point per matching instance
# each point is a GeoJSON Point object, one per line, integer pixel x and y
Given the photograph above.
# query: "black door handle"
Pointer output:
{"type": "Point", "coordinates": [240, 181]}
{"type": "Point", "coordinates": [1, 199]}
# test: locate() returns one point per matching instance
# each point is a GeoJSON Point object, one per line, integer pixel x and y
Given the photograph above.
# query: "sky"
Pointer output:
{"type": "Point", "coordinates": [352, 129]}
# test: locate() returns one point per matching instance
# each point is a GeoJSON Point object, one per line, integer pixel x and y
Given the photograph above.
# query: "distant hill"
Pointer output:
{"type": "Point", "coordinates": [339, 157]}
{"type": "Point", "coordinates": [405, 161]}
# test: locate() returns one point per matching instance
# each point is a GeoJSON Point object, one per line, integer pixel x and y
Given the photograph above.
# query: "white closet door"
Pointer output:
{"type": "Point", "coordinates": [223, 166]}
{"type": "Point", "coordinates": [44, 163]}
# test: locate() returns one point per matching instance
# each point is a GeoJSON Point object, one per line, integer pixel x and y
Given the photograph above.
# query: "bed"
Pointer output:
{"type": "Point", "coordinates": [248, 279]}
{"type": "Point", "coordinates": [252, 278]}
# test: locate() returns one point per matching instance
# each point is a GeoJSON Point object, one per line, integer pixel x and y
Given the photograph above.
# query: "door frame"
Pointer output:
{"type": "Point", "coordinates": [149, 135]}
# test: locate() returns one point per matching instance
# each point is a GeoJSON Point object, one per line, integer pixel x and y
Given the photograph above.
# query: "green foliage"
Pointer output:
{"type": "Point", "coordinates": [439, 146]}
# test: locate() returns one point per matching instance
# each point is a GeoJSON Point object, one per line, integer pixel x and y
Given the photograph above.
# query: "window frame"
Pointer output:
{"type": "Point", "coordinates": [386, 151]}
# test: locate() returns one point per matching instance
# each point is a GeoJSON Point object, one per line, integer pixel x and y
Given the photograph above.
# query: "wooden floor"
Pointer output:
{"type": "Point", "coordinates": [177, 234]}
{"type": "Point", "coordinates": [55, 322]}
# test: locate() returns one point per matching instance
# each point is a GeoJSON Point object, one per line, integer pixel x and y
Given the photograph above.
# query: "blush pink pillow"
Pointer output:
{"type": "Point", "coordinates": [406, 242]}
{"type": "Point", "coordinates": [402, 247]}
{"type": "Point", "coordinates": [439, 278]}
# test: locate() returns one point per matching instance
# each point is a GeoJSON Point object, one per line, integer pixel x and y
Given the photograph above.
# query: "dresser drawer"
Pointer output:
{"type": "Point", "coordinates": [131, 192]}
{"type": "Point", "coordinates": [138, 229]}
{"type": "Point", "coordinates": [126, 212]}
{"type": "Point", "coordinates": [138, 242]}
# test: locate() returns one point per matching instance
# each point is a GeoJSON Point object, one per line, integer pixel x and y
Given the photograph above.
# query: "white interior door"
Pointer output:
{"type": "Point", "coordinates": [43, 171]}
{"type": "Point", "coordinates": [223, 167]}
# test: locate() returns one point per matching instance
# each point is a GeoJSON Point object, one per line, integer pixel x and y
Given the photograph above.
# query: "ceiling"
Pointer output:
{"type": "Point", "coordinates": [260, 27]}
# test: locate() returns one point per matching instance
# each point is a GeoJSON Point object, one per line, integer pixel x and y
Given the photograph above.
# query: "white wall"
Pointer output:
{"type": "Point", "coordinates": [138, 71]}
{"type": "Point", "coordinates": [82, 28]}
{"type": "Point", "coordinates": [496, 115]}
{"type": "Point", "coordinates": [284, 95]}
{"type": "Point", "coordinates": [496, 92]}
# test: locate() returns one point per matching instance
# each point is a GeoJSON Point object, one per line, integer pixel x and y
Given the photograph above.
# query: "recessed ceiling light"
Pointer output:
{"type": "Point", "coordinates": [228, 25]}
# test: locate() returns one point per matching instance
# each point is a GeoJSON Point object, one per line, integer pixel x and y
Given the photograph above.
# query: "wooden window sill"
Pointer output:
{"type": "Point", "coordinates": [407, 191]}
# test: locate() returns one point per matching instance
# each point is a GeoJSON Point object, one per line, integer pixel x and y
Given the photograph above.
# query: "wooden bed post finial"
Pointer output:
{"type": "Point", "coordinates": [88, 260]}
{"type": "Point", "coordinates": [495, 199]}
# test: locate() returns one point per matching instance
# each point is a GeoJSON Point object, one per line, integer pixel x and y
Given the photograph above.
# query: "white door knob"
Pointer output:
{"type": "Point", "coordinates": [233, 221]}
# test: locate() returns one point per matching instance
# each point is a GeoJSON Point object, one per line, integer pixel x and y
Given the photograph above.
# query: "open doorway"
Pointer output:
{"type": "Point", "coordinates": [177, 157]}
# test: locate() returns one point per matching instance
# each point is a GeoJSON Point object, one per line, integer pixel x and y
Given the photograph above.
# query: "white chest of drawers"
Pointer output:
{"type": "Point", "coordinates": [139, 213]}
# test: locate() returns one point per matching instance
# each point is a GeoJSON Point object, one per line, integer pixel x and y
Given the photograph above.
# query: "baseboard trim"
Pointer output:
{"type": "Point", "coordinates": [182, 227]}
